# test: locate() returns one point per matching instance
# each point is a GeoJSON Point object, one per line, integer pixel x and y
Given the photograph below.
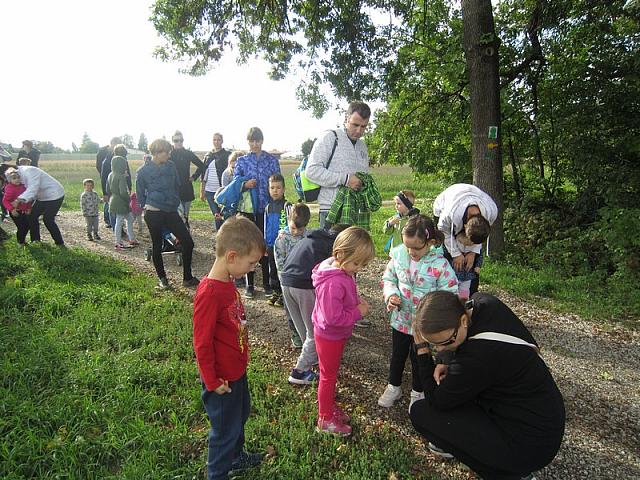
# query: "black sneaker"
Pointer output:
{"type": "Point", "coordinates": [250, 292]}
{"type": "Point", "coordinates": [268, 291]}
{"type": "Point", "coordinates": [163, 284]}
{"type": "Point", "coordinates": [192, 282]}
{"type": "Point", "coordinates": [90, 238]}
{"type": "Point", "coordinates": [96, 237]}
{"type": "Point", "coordinates": [278, 300]}
{"type": "Point", "coordinates": [244, 462]}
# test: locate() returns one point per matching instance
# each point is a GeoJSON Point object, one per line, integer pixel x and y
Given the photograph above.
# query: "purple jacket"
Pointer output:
{"type": "Point", "coordinates": [261, 169]}
{"type": "Point", "coordinates": [336, 308]}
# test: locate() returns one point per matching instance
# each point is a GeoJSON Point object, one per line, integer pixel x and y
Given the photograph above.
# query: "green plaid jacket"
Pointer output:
{"type": "Point", "coordinates": [354, 208]}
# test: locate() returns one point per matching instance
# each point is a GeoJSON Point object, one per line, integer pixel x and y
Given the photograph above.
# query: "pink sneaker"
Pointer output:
{"type": "Point", "coordinates": [333, 426]}
{"type": "Point", "coordinates": [134, 243]}
{"type": "Point", "coordinates": [340, 416]}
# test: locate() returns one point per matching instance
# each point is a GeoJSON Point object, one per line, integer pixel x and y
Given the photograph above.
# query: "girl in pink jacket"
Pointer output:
{"type": "Point", "coordinates": [20, 213]}
{"type": "Point", "coordinates": [338, 307]}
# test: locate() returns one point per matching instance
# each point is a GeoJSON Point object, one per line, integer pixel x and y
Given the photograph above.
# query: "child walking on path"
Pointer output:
{"type": "Point", "coordinates": [19, 214]}
{"type": "Point", "coordinates": [90, 206]}
{"type": "Point", "coordinates": [119, 201]}
{"type": "Point", "coordinates": [337, 308]}
{"type": "Point", "coordinates": [220, 341]}
{"type": "Point", "coordinates": [415, 269]}
{"type": "Point", "coordinates": [298, 219]}
{"type": "Point", "coordinates": [403, 203]}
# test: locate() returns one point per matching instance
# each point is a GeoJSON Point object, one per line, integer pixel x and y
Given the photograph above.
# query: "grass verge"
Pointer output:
{"type": "Point", "coordinates": [99, 381]}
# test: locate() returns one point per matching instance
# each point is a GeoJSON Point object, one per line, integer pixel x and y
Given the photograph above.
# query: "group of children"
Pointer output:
{"type": "Point", "coordinates": [123, 205]}
{"type": "Point", "coordinates": [314, 272]}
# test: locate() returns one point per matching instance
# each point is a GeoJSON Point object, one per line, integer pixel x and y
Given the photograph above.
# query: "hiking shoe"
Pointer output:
{"type": "Point", "coordinates": [96, 237]}
{"type": "Point", "coordinates": [192, 282]}
{"type": "Point", "coordinates": [363, 323]}
{"type": "Point", "coordinates": [333, 426]}
{"type": "Point", "coordinates": [389, 396]}
{"type": "Point", "coordinates": [339, 415]}
{"type": "Point", "coordinates": [250, 292]}
{"type": "Point", "coordinates": [163, 284]}
{"type": "Point", "coordinates": [268, 291]}
{"type": "Point", "coordinates": [90, 238]}
{"type": "Point", "coordinates": [302, 378]}
{"type": "Point", "coordinates": [415, 396]}
{"type": "Point", "coordinates": [245, 461]}
{"type": "Point", "coordinates": [278, 302]}
{"type": "Point", "coordinates": [272, 299]}
{"type": "Point", "coordinates": [296, 341]}
{"type": "Point", "coordinates": [438, 451]}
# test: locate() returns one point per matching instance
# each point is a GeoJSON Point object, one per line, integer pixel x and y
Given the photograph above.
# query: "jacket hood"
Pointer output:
{"type": "Point", "coordinates": [320, 233]}
{"type": "Point", "coordinates": [119, 165]}
{"type": "Point", "coordinates": [325, 271]}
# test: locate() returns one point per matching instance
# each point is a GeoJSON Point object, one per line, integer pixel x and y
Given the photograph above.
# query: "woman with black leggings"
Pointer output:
{"type": "Point", "coordinates": [157, 185]}
{"type": "Point", "coordinates": [494, 406]}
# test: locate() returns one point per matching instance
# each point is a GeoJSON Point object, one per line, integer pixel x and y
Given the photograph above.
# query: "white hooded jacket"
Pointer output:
{"type": "Point", "coordinates": [450, 206]}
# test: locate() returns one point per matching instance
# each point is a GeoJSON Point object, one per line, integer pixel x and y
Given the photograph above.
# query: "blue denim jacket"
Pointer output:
{"type": "Point", "coordinates": [158, 185]}
{"type": "Point", "coordinates": [261, 169]}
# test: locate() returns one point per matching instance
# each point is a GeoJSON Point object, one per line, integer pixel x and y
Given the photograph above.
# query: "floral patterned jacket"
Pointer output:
{"type": "Point", "coordinates": [433, 273]}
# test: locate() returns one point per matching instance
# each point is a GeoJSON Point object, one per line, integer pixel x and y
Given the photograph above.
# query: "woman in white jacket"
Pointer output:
{"type": "Point", "coordinates": [465, 215]}
{"type": "Point", "coordinates": [47, 194]}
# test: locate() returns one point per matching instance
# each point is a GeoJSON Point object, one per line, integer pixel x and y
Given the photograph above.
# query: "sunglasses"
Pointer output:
{"type": "Point", "coordinates": [448, 341]}
{"type": "Point", "coordinates": [178, 140]}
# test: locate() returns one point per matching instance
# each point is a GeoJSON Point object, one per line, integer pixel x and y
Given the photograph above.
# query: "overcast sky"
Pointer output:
{"type": "Point", "coordinates": [71, 66]}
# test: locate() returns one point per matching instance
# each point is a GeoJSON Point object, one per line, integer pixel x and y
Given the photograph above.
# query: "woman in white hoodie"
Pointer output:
{"type": "Point", "coordinates": [465, 215]}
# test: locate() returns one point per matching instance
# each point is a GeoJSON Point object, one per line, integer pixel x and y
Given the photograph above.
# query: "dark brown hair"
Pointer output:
{"type": "Point", "coordinates": [477, 229]}
{"type": "Point", "coordinates": [300, 215]}
{"type": "Point", "coordinates": [255, 134]}
{"type": "Point", "coordinates": [360, 108]}
{"type": "Point", "coordinates": [438, 311]}
{"type": "Point", "coordinates": [276, 178]}
{"type": "Point", "coordinates": [422, 227]}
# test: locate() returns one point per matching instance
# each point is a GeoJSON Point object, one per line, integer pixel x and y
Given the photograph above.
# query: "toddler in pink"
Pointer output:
{"type": "Point", "coordinates": [337, 308]}
{"type": "Point", "coordinates": [20, 214]}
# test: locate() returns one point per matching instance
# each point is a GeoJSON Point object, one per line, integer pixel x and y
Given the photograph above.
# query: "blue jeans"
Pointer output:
{"type": "Point", "coordinates": [228, 413]}
{"type": "Point", "coordinates": [215, 209]}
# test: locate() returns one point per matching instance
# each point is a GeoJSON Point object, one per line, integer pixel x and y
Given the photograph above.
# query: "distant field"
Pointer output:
{"type": "Point", "coordinates": [389, 179]}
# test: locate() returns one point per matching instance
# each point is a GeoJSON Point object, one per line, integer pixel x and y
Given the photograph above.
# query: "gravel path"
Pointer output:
{"type": "Point", "coordinates": [598, 371]}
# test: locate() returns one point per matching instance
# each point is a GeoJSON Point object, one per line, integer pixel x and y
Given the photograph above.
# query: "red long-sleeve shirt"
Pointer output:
{"type": "Point", "coordinates": [220, 336]}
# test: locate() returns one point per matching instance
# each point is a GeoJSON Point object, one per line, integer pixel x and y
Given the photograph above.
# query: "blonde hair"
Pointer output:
{"type": "Point", "coordinates": [354, 245]}
{"type": "Point", "coordinates": [160, 145]}
{"type": "Point", "coordinates": [240, 235]}
{"type": "Point", "coordinates": [410, 195]}
{"type": "Point", "coordinates": [233, 158]}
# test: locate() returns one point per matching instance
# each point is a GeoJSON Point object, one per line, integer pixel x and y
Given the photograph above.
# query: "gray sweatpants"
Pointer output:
{"type": "Point", "coordinates": [92, 225]}
{"type": "Point", "coordinates": [299, 303]}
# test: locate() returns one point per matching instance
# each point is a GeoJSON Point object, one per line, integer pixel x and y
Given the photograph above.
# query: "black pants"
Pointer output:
{"type": "Point", "coordinates": [156, 222]}
{"type": "Point", "coordinates": [22, 222]}
{"type": "Point", "coordinates": [469, 434]}
{"type": "Point", "coordinates": [258, 219]}
{"type": "Point", "coordinates": [402, 346]}
{"type": "Point", "coordinates": [274, 281]}
{"type": "Point", "coordinates": [48, 211]}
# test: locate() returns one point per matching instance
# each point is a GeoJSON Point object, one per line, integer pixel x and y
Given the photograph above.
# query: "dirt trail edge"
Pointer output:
{"type": "Point", "coordinates": [597, 371]}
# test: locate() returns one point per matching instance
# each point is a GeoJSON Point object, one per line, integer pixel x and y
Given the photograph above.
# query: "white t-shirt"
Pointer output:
{"type": "Point", "coordinates": [39, 185]}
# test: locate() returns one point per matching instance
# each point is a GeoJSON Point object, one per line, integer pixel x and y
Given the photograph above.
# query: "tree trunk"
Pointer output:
{"type": "Point", "coordinates": [481, 54]}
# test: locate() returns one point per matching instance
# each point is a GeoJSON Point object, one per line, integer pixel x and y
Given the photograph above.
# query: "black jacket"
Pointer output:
{"type": "Point", "coordinates": [183, 158]}
{"type": "Point", "coordinates": [33, 155]}
{"type": "Point", "coordinates": [316, 246]}
{"type": "Point", "coordinates": [510, 382]}
{"type": "Point", "coordinates": [221, 162]}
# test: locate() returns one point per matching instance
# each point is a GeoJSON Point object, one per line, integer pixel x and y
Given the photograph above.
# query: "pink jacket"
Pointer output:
{"type": "Point", "coordinates": [336, 308]}
{"type": "Point", "coordinates": [11, 192]}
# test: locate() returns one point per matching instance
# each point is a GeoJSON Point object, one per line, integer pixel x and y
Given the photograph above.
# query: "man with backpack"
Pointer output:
{"type": "Point", "coordinates": [338, 155]}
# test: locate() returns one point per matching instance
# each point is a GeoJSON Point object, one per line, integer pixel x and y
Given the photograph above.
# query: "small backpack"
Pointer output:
{"type": "Point", "coordinates": [307, 190]}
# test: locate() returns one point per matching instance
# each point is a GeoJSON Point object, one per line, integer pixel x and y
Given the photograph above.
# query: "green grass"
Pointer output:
{"type": "Point", "coordinates": [99, 381]}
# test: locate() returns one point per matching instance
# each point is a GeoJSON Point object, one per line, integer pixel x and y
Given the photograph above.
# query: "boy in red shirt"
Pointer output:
{"type": "Point", "coordinates": [220, 341]}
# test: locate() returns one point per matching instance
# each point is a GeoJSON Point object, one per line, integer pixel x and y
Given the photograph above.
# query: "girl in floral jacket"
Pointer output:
{"type": "Point", "coordinates": [415, 269]}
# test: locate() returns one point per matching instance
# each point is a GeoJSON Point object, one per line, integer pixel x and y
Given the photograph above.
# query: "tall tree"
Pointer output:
{"type": "Point", "coordinates": [88, 145]}
{"type": "Point", "coordinates": [481, 47]}
{"type": "Point", "coordinates": [307, 145]}
{"type": "Point", "coordinates": [127, 141]}
{"type": "Point", "coordinates": [142, 142]}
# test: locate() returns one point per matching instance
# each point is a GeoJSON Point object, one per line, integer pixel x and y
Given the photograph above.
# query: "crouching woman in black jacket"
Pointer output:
{"type": "Point", "coordinates": [495, 406]}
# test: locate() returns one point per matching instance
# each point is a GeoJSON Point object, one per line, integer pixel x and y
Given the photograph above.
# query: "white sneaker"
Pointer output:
{"type": "Point", "coordinates": [390, 395]}
{"type": "Point", "coordinates": [415, 396]}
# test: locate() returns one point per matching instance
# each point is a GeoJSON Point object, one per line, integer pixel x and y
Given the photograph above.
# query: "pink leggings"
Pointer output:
{"type": "Point", "coordinates": [329, 356]}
